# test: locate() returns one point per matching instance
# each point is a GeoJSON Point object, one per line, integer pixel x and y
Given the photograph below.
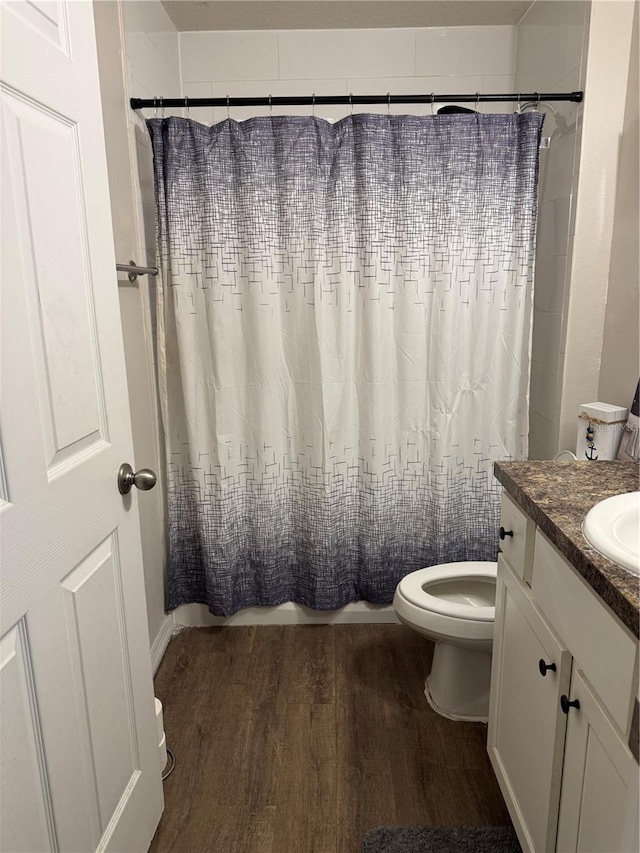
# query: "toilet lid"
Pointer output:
{"type": "Point", "coordinates": [461, 590]}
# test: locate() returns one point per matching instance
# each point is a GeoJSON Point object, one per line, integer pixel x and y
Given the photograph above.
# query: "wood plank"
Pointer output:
{"type": "Point", "coordinates": [309, 664]}
{"type": "Point", "coordinates": [204, 716]}
{"type": "Point", "coordinates": [441, 777]}
{"type": "Point", "coordinates": [364, 781]}
{"type": "Point", "coordinates": [364, 798]}
{"type": "Point", "coordinates": [254, 831]}
{"type": "Point", "coordinates": [409, 660]}
{"type": "Point", "coordinates": [306, 812]}
{"type": "Point", "coordinates": [258, 755]}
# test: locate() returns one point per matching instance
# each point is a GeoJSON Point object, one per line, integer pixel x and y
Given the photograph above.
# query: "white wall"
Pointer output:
{"type": "Point", "coordinates": [589, 299]}
{"type": "Point", "coordinates": [621, 349]}
{"type": "Point", "coordinates": [152, 67]}
{"type": "Point", "coordinates": [581, 285]}
{"type": "Point", "coordinates": [304, 62]}
{"type": "Point", "coordinates": [138, 55]}
{"type": "Point", "coordinates": [551, 56]}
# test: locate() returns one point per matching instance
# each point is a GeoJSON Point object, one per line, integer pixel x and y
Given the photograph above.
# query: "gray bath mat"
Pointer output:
{"type": "Point", "coordinates": [427, 839]}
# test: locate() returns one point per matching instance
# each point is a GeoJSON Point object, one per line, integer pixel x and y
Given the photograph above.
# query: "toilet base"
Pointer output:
{"type": "Point", "coordinates": [458, 685]}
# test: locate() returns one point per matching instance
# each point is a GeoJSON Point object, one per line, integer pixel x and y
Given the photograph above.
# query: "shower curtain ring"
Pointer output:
{"type": "Point", "coordinates": [270, 107]}
{"type": "Point", "coordinates": [313, 104]}
{"type": "Point", "coordinates": [351, 102]}
{"type": "Point", "coordinates": [388, 103]}
{"type": "Point", "coordinates": [477, 102]}
{"type": "Point", "coordinates": [433, 98]}
{"type": "Point", "coordinates": [155, 107]}
{"type": "Point", "coordinates": [519, 99]}
{"type": "Point", "coordinates": [537, 101]}
{"type": "Point", "coordinates": [228, 113]}
{"type": "Point", "coordinates": [186, 106]}
{"type": "Point", "coordinates": [162, 115]}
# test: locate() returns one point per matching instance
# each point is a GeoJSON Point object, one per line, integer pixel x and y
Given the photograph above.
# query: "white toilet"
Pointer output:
{"type": "Point", "coordinates": [453, 604]}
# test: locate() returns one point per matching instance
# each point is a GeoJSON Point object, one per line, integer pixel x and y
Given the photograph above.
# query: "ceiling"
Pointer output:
{"type": "Point", "coordinates": [340, 14]}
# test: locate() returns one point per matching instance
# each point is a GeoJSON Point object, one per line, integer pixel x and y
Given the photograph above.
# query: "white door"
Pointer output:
{"type": "Point", "coordinates": [78, 749]}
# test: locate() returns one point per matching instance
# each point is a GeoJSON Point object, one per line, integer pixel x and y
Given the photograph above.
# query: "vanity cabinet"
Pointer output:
{"type": "Point", "coordinates": [564, 677]}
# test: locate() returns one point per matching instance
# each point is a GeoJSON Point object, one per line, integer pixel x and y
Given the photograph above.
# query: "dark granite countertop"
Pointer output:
{"type": "Point", "coordinates": [557, 496]}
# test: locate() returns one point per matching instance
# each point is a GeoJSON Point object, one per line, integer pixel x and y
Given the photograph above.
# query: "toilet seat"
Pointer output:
{"type": "Point", "coordinates": [414, 588]}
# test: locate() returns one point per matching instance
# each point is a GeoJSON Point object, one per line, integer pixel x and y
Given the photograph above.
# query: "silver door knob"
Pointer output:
{"type": "Point", "coordinates": [143, 479]}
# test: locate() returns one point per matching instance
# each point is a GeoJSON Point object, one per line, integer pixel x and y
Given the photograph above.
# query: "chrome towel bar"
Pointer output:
{"type": "Point", "coordinates": [134, 270]}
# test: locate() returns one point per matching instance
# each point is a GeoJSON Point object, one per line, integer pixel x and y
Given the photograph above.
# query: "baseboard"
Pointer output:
{"type": "Point", "coordinates": [359, 612]}
{"type": "Point", "coordinates": [159, 645]}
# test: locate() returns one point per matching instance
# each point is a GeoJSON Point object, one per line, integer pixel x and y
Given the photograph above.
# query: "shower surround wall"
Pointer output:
{"type": "Point", "coordinates": [302, 62]}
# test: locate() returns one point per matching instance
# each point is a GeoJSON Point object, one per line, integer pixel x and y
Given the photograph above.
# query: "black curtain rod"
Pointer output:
{"type": "Point", "coordinates": [349, 100]}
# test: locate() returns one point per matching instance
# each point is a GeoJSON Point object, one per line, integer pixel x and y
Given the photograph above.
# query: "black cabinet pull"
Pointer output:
{"type": "Point", "coordinates": [543, 667]}
{"type": "Point", "coordinates": [565, 704]}
{"type": "Point", "coordinates": [504, 533]}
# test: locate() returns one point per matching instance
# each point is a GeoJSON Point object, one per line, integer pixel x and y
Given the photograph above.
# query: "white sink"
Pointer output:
{"type": "Point", "coordinates": [612, 527]}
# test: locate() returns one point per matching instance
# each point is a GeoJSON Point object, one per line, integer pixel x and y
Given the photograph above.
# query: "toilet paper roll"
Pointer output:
{"type": "Point", "coordinates": [163, 752]}
{"type": "Point", "coordinates": [159, 720]}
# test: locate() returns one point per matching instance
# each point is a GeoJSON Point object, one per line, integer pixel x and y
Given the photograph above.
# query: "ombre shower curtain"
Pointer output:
{"type": "Point", "coordinates": [344, 315]}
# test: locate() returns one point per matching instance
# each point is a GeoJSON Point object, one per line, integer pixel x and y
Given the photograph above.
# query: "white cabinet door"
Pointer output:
{"type": "Point", "coordinates": [79, 768]}
{"type": "Point", "coordinates": [599, 802]}
{"type": "Point", "coordinates": [526, 727]}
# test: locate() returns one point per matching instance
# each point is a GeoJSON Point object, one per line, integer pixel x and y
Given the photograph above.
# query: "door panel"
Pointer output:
{"type": "Point", "coordinates": [63, 719]}
{"type": "Point", "coordinates": [94, 604]}
{"type": "Point", "coordinates": [49, 19]}
{"type": "Point", "coordinates": [24, 797]}
{"type": "Point", "coordinates": [54, 252]}
{"type": "Point", "coordinates": [80, 721]}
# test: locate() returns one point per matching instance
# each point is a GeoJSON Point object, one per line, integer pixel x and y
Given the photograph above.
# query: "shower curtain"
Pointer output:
{"type": "Point", "coordinates": [344, 315]}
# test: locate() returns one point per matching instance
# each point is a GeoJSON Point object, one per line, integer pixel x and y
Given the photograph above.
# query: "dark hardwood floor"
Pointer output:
{"type": "Point", "coordinates": [299, 739]}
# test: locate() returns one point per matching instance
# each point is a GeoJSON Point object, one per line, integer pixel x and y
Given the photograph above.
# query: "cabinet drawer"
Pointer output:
{"type": "Point", "coordinates": [517, 549]}
{"type": "Point", "coordinates": [602, 647]}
